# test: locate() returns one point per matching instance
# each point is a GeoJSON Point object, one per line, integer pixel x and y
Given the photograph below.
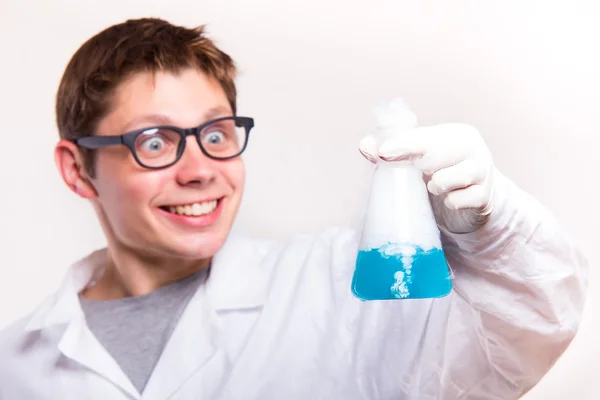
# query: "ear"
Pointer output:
{"type": "Point", "coordinates": [69, 162]}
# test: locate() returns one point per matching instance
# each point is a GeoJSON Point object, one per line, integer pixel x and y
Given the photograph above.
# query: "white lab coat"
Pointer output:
{"type": "Point", "coordinates": [277, 320]}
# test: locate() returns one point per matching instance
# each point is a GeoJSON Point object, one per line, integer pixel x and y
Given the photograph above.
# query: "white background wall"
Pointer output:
{"type": "Point", "coordinates": [526, 73]}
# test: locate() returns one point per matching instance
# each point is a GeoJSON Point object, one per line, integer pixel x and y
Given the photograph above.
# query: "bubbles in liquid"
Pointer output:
{"type": "Point", "coordinates": [411, 274]}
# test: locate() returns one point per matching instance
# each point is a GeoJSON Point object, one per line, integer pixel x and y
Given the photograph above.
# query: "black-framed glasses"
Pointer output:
{"type": "Point", "coordinates": [162, 146]}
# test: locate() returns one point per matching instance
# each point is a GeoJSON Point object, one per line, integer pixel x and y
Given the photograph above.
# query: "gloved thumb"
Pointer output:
{"type": "Point", "coordinates": [368, 148]}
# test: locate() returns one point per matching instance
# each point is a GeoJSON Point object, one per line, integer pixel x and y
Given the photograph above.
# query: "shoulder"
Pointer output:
{"type": "Point", "coordinates": [335, 239]}
{"type": "Point", "coordinates": [337, 246]}
{"type": "Point", "coordinates": [15, 343]}
{"type": "Point", "coordinates": [333, 249]}
{"type": "Point", "coordinates": [31, 342]}
{"type": "Point", "coordinates": [334, 246]}
{"type": "Point", "coordinates": [21, 341]}
{"type": "Point", "coordinates": [26, 356]}
{"type": "Point", "coordinates": [327, 257]}
{"type": "Point", "coordinates": [12, 336]}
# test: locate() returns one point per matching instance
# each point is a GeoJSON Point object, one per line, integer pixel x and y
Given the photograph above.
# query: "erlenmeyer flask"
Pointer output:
{"type": "Point", "coordinates": [400, 254]}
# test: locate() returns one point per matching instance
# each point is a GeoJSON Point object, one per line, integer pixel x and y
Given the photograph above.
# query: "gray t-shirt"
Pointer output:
{"type": "Point", "coordinates": [135, 330]}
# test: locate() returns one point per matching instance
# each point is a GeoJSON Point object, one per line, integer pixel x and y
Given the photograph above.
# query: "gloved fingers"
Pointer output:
{"type": "Point", "coordinates": [406, 145]}
{"type": "Point", "coordinates": [441, 158]}
{"type": "Point", "coordinates": [431, 147]}
{"type": "Point", "coordinates": [450, 145]}
{"type": "Point", "coordinates": [472, 197]}
{"type": "Point", "coordinates": [461, 175]}
{"type": "Point", "coordinates": [368, 148]}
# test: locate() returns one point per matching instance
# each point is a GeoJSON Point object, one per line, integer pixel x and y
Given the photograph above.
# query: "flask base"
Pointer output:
{"type": "Point", "coordinates": [416, 275]}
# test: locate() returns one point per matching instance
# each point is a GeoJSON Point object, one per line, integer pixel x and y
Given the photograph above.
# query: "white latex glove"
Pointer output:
{"type": "Point", "coordinates": [457, 168]}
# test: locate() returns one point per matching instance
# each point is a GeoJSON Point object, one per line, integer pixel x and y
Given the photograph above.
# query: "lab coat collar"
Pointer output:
{"type": "Point", "coordinates": [238, 278]}
{"type": "Point", "coordinates": [64, 307]}
{"type": "Point", "coordinates": [237, 281]}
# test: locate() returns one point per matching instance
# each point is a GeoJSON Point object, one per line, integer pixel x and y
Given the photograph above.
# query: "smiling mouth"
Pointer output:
{"type": "Point", "coordinates": [194, 209]}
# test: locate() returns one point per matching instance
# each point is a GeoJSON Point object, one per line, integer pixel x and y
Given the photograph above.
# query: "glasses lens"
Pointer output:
{"type": "Point", "coordinates": [225, 138]}
{"type": "Point", "coordinates": [157, 147]}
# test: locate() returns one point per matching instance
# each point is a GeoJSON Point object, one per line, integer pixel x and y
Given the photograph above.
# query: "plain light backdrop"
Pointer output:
{"type": "Point", "coordinates": [525, 73]}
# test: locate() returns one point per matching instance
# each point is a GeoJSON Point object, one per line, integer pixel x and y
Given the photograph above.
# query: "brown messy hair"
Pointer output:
{"type": "Point", "coordinates": [107, 59]}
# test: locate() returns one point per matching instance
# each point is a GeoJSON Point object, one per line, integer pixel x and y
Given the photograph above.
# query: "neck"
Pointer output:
{"type": "Point", "coordinates": [129, 273]}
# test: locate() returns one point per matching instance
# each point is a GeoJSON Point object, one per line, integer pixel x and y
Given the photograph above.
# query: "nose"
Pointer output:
{"type": "Point", "coordinates": [194, 168]}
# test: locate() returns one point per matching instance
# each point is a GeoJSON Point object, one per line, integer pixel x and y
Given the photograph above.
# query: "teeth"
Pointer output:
{"type": "Point", "coordinates": [195, 209]}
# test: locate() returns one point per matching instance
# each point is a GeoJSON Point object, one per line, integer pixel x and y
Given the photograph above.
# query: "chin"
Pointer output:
{"type": "Point", "coordinates": [199, 248]}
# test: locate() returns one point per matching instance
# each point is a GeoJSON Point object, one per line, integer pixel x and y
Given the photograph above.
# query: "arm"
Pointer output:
{"type": "Point", "coordinates": [521, 281]}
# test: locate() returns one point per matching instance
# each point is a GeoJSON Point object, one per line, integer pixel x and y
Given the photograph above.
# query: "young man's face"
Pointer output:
{"type": "Point", "coordinates": [133, 202]}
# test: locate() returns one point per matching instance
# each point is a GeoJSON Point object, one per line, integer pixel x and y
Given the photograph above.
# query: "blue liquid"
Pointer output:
{"type": "Point", "coordinates": [381, 277]}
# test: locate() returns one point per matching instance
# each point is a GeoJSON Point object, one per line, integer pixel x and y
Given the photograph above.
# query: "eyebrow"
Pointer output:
{"type": "Point", "coordinates": [162, 119]}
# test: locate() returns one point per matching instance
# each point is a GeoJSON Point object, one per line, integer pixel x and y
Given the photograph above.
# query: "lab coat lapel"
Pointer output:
{"type": "Point", "coordinates": [197, 346]}
{"type": "Point", "coordinates": [77, 341]}
{"type": "Point", "coordinates": [80, 345]}
{"type": "Point", "coordinates": [192, 347]}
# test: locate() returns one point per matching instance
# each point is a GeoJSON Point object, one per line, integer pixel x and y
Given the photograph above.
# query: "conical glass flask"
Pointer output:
{"type": "Point", "coordinates": [400, 254]}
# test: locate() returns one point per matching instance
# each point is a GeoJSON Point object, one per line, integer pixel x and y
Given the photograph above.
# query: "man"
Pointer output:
{"type": "Point", "coordinates": [177, 307]}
